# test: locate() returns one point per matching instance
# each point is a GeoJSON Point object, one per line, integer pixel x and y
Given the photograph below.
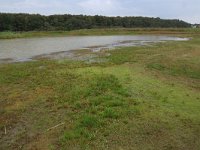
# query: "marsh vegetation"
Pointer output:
{"type": "Point", "coordinates": [140, 98]}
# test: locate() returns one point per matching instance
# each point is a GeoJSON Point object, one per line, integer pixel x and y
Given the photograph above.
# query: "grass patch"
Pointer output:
{"type": "Point", "coordinates": [110, 113]}
{"type": "Point", "coordinates": [142, 98]}
{"type": "Point", "coordinates": [88, 121]}
{"type": "Point", "coordinates": [156, 66]}
{"type": "Point", "coordinates": [106, 31]}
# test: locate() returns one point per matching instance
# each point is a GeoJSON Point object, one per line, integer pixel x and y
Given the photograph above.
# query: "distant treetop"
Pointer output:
{"type": "Point", "coordinates": [35, 22]}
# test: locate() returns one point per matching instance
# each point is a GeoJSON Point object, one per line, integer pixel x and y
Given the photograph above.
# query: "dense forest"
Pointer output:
{"type": "Point", "coordinates": [32, 22]}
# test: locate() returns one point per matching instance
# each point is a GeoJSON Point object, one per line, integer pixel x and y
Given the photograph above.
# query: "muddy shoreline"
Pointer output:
{"type": "Point", "coordinates": [88, 53]}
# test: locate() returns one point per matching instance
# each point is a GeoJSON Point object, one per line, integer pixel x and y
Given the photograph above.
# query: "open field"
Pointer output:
{"type": "Point", "coordinates": [140, 98]}
{"type": "Point", "coordinates": [111, 31]}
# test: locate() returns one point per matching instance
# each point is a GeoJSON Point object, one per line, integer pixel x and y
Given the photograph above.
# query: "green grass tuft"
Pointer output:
{"type": "Point", "coordinates": [111, 113]}
{"type": "Point", "coordinates": [88, 121]}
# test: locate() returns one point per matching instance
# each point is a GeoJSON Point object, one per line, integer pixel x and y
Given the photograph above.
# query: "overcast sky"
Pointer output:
{"type": "Point", "coordinates": [187, 10]}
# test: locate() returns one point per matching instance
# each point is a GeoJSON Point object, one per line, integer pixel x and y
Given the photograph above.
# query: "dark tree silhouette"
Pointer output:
{"type": "Point", "coordinates": [36, 22]}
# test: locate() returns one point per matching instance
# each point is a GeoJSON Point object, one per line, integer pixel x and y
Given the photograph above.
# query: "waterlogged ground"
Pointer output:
{"type": "Point", "coordinates": [139, 98]}
{"type": "Point", "coordinates": [16, 50]}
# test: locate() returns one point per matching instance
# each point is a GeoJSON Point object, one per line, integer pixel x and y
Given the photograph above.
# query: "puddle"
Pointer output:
{"type": "Point", "coordinates": [76, 48]}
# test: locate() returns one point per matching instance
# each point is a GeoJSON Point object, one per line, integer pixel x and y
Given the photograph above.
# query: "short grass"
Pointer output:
{"type": "Point", "coordinates": [141, 98]}
{"type": "Point", "coordinates": [106, 31]}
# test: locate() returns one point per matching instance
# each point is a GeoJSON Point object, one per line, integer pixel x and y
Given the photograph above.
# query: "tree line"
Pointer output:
{"type": "Point", "coordinates": [36, 22]}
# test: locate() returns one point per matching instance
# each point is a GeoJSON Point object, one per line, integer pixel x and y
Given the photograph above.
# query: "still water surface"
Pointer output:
{"type": "Point", "coordinates": [26, 49]}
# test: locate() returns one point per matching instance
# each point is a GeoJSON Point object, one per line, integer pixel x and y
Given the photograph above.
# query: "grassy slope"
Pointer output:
{"type": "Point", "coordinates": [142, 98]}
